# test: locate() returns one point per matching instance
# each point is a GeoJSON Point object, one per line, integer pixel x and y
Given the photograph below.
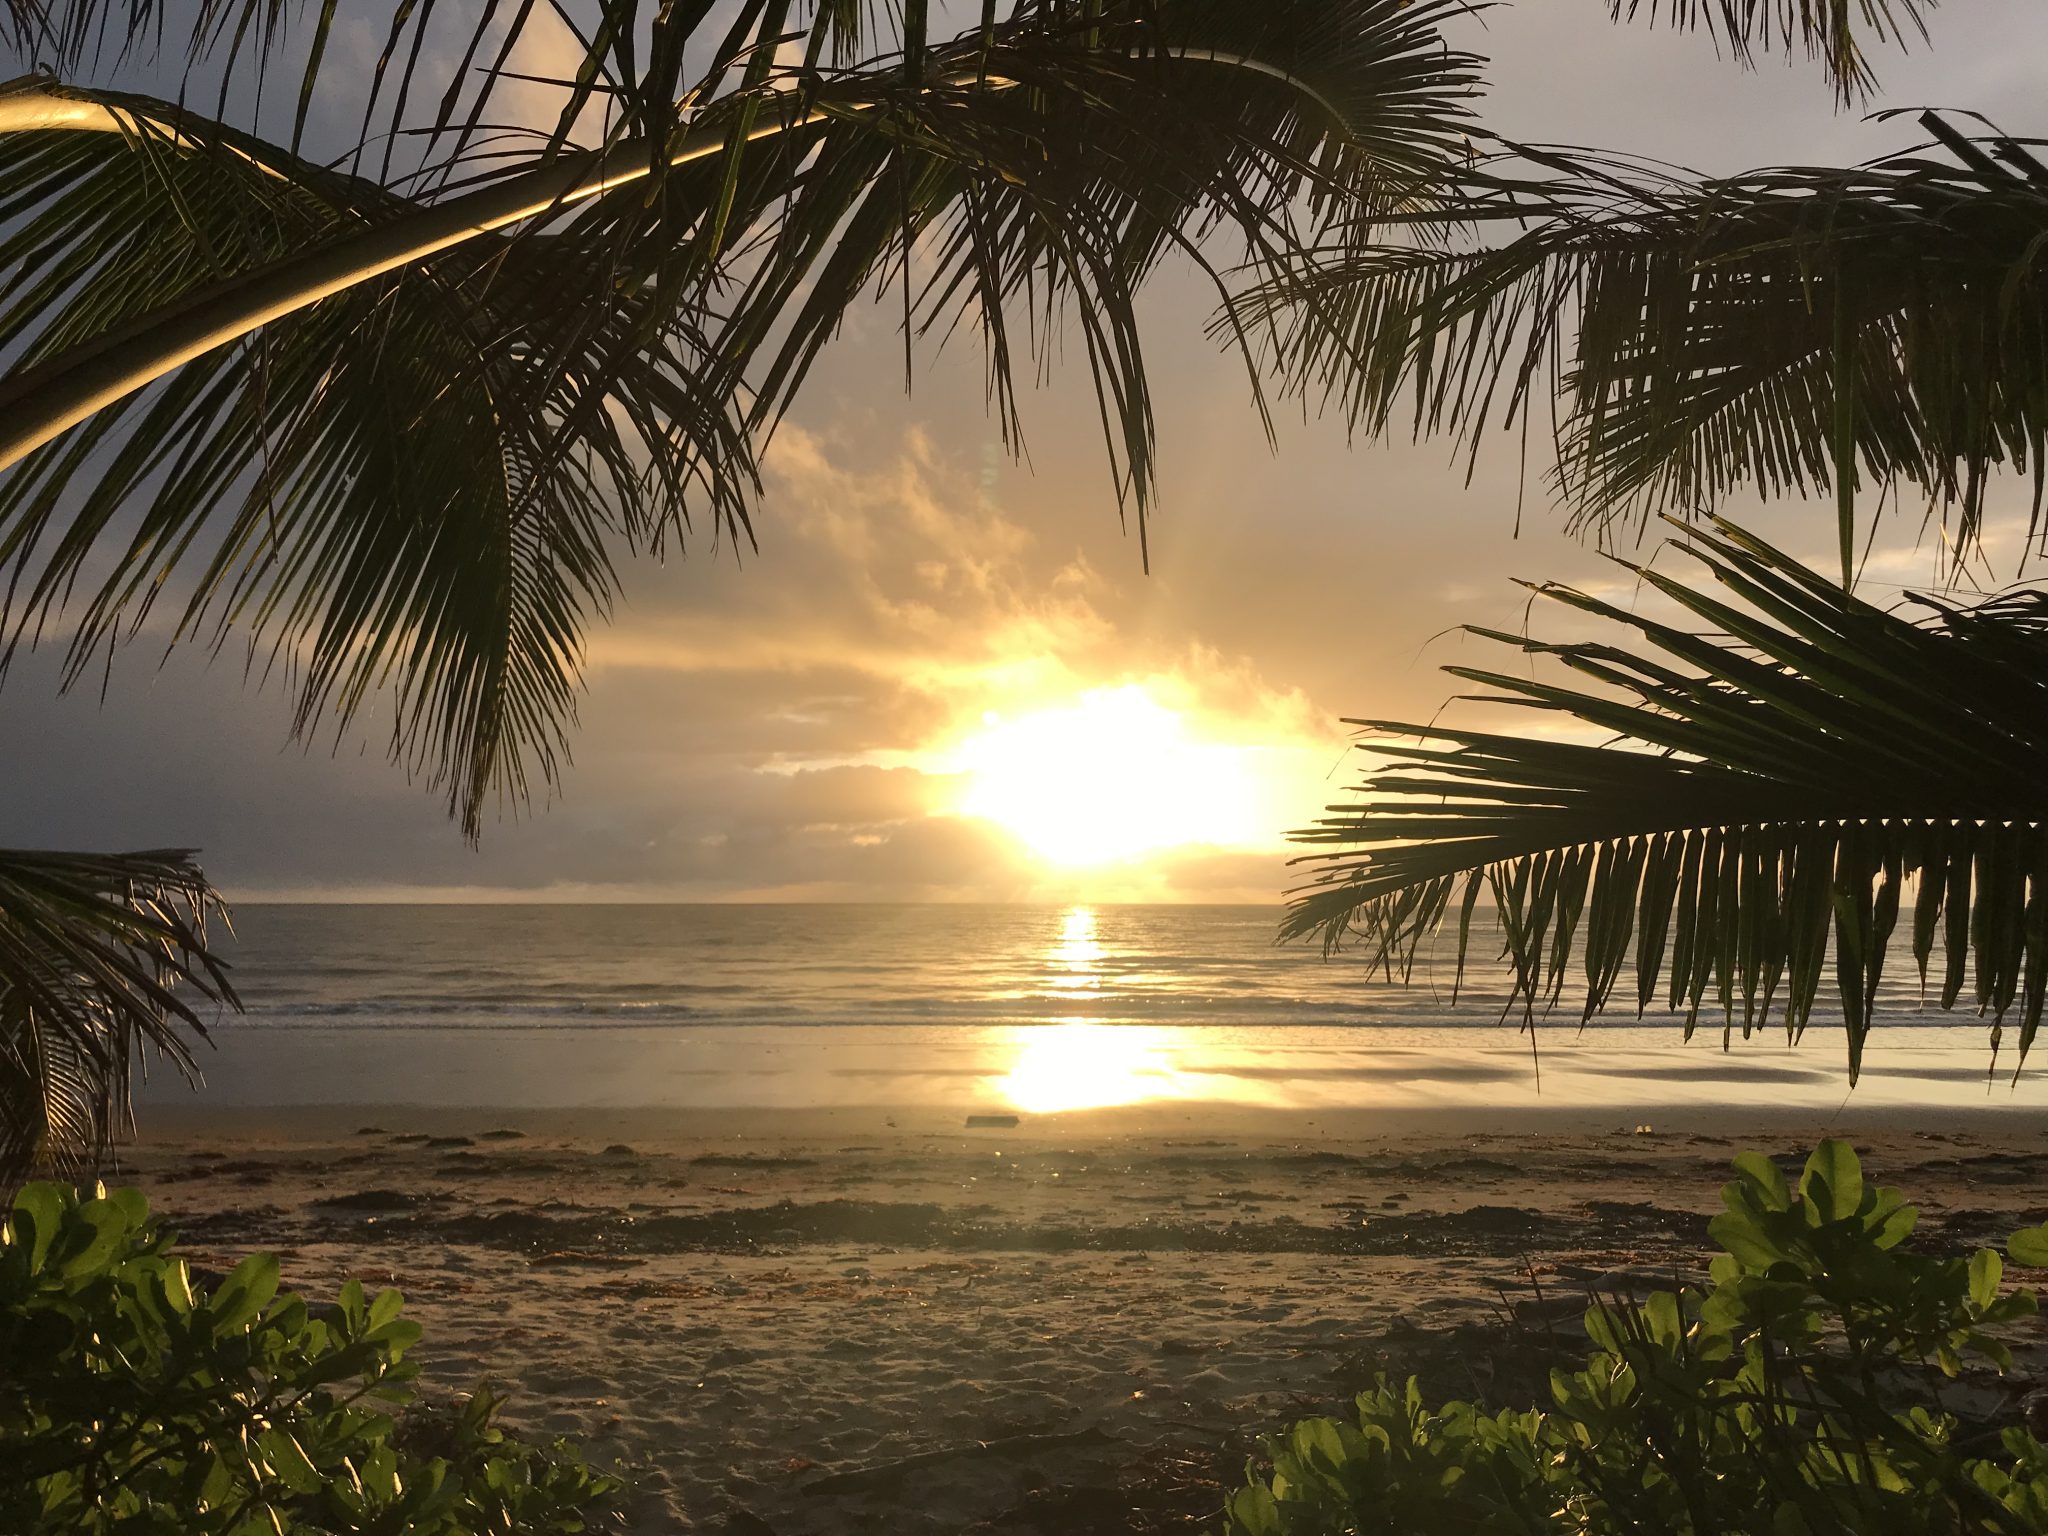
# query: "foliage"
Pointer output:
{"type": "Point", "coordinates": [93, 951]}
{"type": "Point", "coordinates": [423, 480]}
{"type": "Point", "coordinates": [1796, 331]}
{"type": "Point", "coordinates": [1823, 769]}
{"type": "Point", "coordinates": [1834, 33]}
{"type": "Point", "coordinates": [136, 1399]}
{"type": "Point", "coordinates": [419, 472]}
{"type": "Point", "coordinates": [1795, 1395]}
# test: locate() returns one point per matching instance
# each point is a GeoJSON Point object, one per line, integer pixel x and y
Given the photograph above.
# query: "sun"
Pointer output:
{"type": "Point", "coordinates": [1110, 778]}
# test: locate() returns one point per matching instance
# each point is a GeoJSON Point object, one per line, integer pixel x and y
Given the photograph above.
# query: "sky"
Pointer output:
{"type": "Point", "coordinates": [944, 675]}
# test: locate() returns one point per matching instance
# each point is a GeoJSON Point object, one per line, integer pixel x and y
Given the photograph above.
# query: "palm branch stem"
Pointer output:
{"type": "Point", "coordinates": [39, 403]}
{"type": "Point", "coordinates": [29, 105]}
{"type": "Point", "coordinates": [42, 402]}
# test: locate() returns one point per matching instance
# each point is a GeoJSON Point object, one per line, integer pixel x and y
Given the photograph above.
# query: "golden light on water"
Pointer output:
{"type": "Point", "coordinates": [1113, 776]}
{"type": "Point", "coordinates": [1086, 1064]}
{"type": "Point", "coordinates": [1077, 957]}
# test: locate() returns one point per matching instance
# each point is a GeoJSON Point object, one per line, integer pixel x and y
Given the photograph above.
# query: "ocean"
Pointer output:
{"type": "Point", "coordinates": [1029, 1008]}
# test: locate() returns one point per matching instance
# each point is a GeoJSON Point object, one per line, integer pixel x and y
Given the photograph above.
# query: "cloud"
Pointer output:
{"type": "Point", "coordinates": [774, 729]}
{"type": "Point", "coordinates": [906, 606]}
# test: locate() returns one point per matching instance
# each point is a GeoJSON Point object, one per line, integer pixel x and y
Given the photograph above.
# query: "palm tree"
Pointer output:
{"type": "Point", "coordinates": [392, 419]}
{"type": "Point", "coordinates": [92, 951]}
{"type": "Point", "coordinates": [1783, 781]}
{"type": "Point", "coordinates": [406, 421]}
{"type": "Point", "coordinates": [1775, 793]}
{"type": "Point", "coordinates": [1796, 331]}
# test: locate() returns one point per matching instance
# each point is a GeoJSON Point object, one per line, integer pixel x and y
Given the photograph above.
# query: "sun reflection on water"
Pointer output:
{"type": "Point", "coordinates": [1077, 957]}
{"type": "Point", "coordinates": [1085, 1063]}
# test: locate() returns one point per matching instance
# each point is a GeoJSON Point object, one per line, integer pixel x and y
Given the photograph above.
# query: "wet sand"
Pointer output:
{"type": "Point", "coordinates": [872, 1320]}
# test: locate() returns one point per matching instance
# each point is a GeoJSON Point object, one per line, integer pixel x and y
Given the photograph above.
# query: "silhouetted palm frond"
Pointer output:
{"type": "Point", "coordinates": [1837, 33]}
{"type": "Point", "coordinates": [103, 958]}
{"type": "Point", "coordinates": [1764, 331]}
{"type": "Point", "coordinates": [1781, 789]}
{"type": "Point", "coordinates": [418, 472]}
{"type": "Point", "coordinates": [414, 485]}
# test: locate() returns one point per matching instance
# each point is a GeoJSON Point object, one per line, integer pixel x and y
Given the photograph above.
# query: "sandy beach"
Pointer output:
{"type": "Point", "coordinates": [875, 1320]}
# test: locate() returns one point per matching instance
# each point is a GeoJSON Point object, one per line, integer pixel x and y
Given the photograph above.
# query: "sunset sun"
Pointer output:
{"type": "Point", "coordinates": [1110, 777]}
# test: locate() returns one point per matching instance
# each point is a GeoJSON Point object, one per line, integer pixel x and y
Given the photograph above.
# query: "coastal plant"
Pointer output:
{"type": "Point", "coordinates": [1789, 774]}
{"type": "Point", "coordinates": [1791, 331]}
{"type": "Point", "coordinates": [138, 1397]}
{"type": "Point", "coordinates": [1798, 1392]}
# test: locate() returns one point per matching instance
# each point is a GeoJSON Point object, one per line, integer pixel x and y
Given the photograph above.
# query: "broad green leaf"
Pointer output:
{"type": "Point", "coordinates": [1745, 1241]}
{"type": "Point", "coordinates": [1767, 1176]}
{"type": "Point", "coordinates": [38, 1214]}
{"type": "Point", "coordinates": [289, 1461]}
{"type": "Point", "coordinates": [133, 1205]}
{"type": "Point", "coordinates": [380, 1476]}
{"type": "Point", "coordinates": [245, 1293]}
{"type": "Point", "coordinates": [384, 1308]}
{"type": "Point", "coordinates": [1661, 1316]}
{"type": "Point", "coordinates": [1833, 1182]}
{"type": "Point", "coordinates": [219, 1484]}
{"type": "Point", "coordinates": [1891, 1221]}
{"type": "Point", "coordinates": [2029, 1246]}
{"type": "Point", "coordinates": [1253, 1512]}
{"type": "Point", "coordinates": [1986, 1269]}
{"type": "Point", "coordinates": [98, 1230]}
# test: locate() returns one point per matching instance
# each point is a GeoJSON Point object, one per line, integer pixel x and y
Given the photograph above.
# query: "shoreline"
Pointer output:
{"type": "Point", "coordinates": [286, 1123]}
{"type": "Point", "coordinates": [1633, 1073]}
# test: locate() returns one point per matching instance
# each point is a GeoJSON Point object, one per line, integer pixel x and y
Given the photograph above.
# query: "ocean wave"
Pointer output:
{"type": "Point", "coordinates": [500, 968]}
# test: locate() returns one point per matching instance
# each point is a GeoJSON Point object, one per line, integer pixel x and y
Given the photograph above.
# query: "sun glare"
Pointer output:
{"type": "Point", "coordinates": [1109, 778]}
{"type": "Point", "coordinates": [1063, 1067]}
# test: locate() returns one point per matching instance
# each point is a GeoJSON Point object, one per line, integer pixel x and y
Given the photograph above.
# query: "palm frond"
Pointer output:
{"type": "Point", "coordinates": [424, 477]}
{"type": "Point", "coordinates": [416, 484]}
{"type": "Point", "coordinates": [1795, 332]}
{"type": "Point", "coordinates": [103, 958]}
{"type": "Point", "coordinates": [1781, 787]}
{"type": "Point", "coordinates": [1836, 33]}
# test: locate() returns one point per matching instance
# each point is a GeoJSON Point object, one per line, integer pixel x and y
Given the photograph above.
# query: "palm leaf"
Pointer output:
{"type": "Point", "coordinates": [416, 484]}
{"type": "Point", "coordinates": [1836, 33]}
{"type": "Point", "coordinates": [424, 478]}
{"type": "Point", "coordinates": [1795, 332]}
{"type": "Point", "coordinates": [1781, 787]}
{"type": "Point", "coordinates": [103, 958]}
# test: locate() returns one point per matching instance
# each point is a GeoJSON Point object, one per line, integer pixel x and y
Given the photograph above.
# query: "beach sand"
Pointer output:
{"type": "Point", "coordinates": [866, 1320]}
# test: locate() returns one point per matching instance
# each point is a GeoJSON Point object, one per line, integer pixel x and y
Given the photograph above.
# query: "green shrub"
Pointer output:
{"type": "Point", "coordinates": [134, 1400]}
{"type": "Point", "coordinates": [1797, 1395]}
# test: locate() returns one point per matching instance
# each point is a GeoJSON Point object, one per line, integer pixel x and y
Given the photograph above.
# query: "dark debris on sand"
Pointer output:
{"type": "Point", "coordinates": [1478, 1231]}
